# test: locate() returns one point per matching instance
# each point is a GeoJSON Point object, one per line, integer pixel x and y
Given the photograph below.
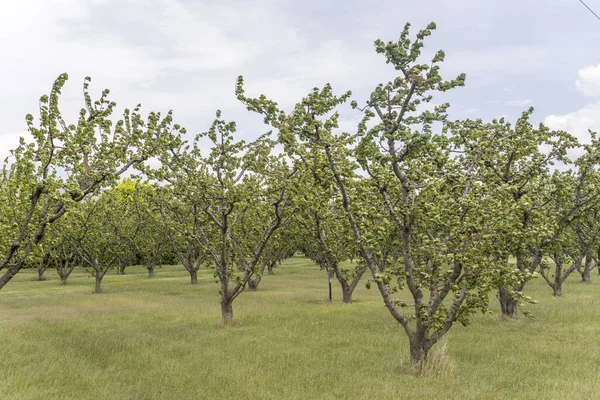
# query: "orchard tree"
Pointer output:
{"type": "Point", "coordinates": [446, 221]}
{"type": "Point", "coordinates": [62, 256]}
{"type": "Point", "coordinates": [327, 235]}
{"type": "Point", "coordinates": [241, 191]}
{"type": "Point", "coordinates": [40, 258]}
{"type": "Point", "coordinates": [515, 163]}
{"type": "Point", "coordinates": [98, 234]}
{"type": "Point", "coordinates": [573, 218]}
{"type": "Point", "coordinates": [149, 244]}
{"type": "Point", "coordinates": [182, 219]}
{"type": "Point", "coordinates": [328, 241]}
{"type": "Point", "coordinates": [65, 163]}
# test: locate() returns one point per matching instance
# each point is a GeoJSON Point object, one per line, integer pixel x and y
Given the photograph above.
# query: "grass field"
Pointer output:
{"type": "Point", "coordinates": [160, 338]}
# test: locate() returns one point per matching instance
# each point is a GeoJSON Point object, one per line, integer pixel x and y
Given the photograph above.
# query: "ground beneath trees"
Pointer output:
{"type": "Point", "coordinates": [160, 338]}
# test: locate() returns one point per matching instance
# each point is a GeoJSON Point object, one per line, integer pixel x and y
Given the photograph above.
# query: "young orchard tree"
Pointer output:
{"type": "Point", "coordinates": [326, 232]}
{"type": "Point", "coordinates": [445, 220]}
{"type": "Point", "coordinates": [65, 261]}
{"type": "Point", "coordinates": [65, 163]}
{"type": "Point", "coordinates": [61, 255]}
{"type": "Point", "coordinates": [241, 191]}
{"type": "Point", "coordinates": [328, 241]}
{"type": "Point", "coordinates": [182, 221]}
{"type": "Point", "coordinates": [587, 232]}
{"type": "Point", "coordinates": [98, 232]}
{"type": "Point", "coordinates": [515, 162]}
{"type": "Point", "coordinates": [40, 260]}
{"type": "Point", "coordinates": [573, 215]}
{"type": "Point", "coordinates": [150, 241]}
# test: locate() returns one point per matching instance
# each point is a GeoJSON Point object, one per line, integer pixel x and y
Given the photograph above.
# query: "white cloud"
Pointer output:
{"type": "Point", "coordinates": [588, 81]}
{"type": "Point", "coordinates": [499, 59]}
{"type": "Point", "coordinates": [186, 55]}
{"type": "Point", "coordinates": [577, 122]}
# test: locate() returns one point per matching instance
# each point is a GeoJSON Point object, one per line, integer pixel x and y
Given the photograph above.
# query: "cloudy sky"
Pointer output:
{"type": "Point", "coordinates": [185, 55]}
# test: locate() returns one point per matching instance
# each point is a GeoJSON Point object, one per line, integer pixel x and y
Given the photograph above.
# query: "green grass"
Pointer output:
{"type": "Point", "coordinates": [160, 338]}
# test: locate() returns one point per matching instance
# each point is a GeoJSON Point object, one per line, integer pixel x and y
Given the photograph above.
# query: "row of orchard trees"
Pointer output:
{"type": "Point", "coordinates": [448, 212]}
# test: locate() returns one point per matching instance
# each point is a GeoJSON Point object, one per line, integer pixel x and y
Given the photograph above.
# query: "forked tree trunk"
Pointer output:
{"type": "Point", "coordinates": [194, 276]}
{"type": "Point", "coordinates": [64, 268]}
{"type": "Point", "coordinates": [508, 304]}
{"type": "Point", "coordinates": [253, 283]}
{"type": "Point", "coordinates": [63, 273]}
{"type": "Point", "coordinates": [270, 268]}
{"type": "Point", "coordinates": [150, 267]}
{"type": "Point", "coordinates": [348, 287]}
{"type": "Point", "coordinates": [121, 267]}
{"type": "Point", "coordinates": [41, 276]}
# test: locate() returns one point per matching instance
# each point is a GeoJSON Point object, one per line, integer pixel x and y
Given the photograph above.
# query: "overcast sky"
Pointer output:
{"type": "Point", "coordinates": [185, 55]}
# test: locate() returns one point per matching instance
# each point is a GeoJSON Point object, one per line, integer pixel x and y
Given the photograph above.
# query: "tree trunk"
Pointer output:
{"type": "Point", "coordinates": [121, 268]}
{"type": "Point", "coordinates": [194, 276]}
{"type": "Point", "coordinates": [557, 288]}
{"type": "Point", "coordinates": [41, 276]}
{"type": "Point", "coordinates": [587, 267]}
{"type": "Point", "coordinates": [227, 311]}
{"type": "Point", "coordinates": [329, 273]}
{"type": "Point", "coordinates": [508, 304]}
{"type": "Point", "coordinates": [347, 295]}
{"type": "Point", "coordinates": [98, 282]}
{"type": "Point", "coordinates": [418, 351]}
{"type": "Point", "coordinates": [271, 267]}
{"type": "Point", "coordinates": [253, 283]}
{"type": "Point", "coordinates": [63, 278]}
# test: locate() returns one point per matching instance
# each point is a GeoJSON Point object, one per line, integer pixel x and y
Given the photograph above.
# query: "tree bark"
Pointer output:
{"type": "Point", "coordinates": [587, 267]}
{"type": "Point", "coordinates": [227, 311]}
{"type": "Point", "coordinates": [150, 265]}
{"type": "Point", "coordinates": [347, 295]}
{"type": "Point", "coordinates": [11, 271]}
{"type": "Point", "coordinates": [121, 268]}
{"type": "Point", "coordinates": [98, 277]}
{"type": "Point", "coordinates": [253, 283]}
{"type": "Point", "coordinates": [557, 288]}
{"type": "Point", "coordinates": [194, 276]}
{"type": "Point", "coordinates": [508, 304]}
{"type": "Point", "coordinates": [41, 276]}
{"type": "Point", "coordinates": [418, 350]}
